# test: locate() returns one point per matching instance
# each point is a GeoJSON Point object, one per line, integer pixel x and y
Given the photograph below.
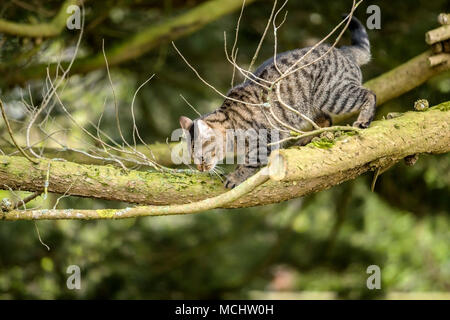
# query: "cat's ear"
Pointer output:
{"type": "Point", "coordinates": [204, 129]}
{"type": "Point", "coordinates": [185, 122]}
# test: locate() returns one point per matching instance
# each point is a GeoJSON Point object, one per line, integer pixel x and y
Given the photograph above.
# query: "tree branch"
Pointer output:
{"type": "Point", "coordinates": [206, 204]}
{"type": "Point", "coordinates": [293, 172]}
{"type": "Point", "coordinates": [50, 29]}
{"type": "Point", "coordinates": [140, 43]}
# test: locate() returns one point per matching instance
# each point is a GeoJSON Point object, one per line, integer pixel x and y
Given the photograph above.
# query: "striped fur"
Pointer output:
{"type": "Point", "coordinates": [330, 86]}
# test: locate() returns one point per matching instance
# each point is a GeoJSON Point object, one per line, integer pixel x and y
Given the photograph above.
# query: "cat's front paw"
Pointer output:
{"type": "Point", "coordinates": [361, 124]}
{"type": "Point", "coordinates": [239, 175]}
{"type": "Point", "coordinates": [231, 182]}
{"type": "Point", "coordinates": [234, 179]}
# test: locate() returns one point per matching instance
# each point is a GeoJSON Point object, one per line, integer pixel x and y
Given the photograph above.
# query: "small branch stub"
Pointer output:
{"type": "Point", "coordinates": [444, 18]}
{"type": "Point", "coordinates": [277, 166]}
{"type": "Point", "coordinates": [411, 160]}
{"type": "Point", "coordinates": [421, 105]}
{"type": "Point", "coordinates": [438, 34]}
{"type": "Point", "coordinates": [438, 59]}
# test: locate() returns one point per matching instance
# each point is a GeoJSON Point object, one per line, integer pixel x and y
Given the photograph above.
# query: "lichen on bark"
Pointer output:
{"type": "Point", "coordinates": [297, 171]}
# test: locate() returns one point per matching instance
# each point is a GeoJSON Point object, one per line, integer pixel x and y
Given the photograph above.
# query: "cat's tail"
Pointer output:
{"type": "Point", "coordinates": [360, 48]}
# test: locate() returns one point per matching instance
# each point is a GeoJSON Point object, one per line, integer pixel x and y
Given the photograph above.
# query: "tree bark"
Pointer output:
{"type": "Point", "coordinates": [293, 172]}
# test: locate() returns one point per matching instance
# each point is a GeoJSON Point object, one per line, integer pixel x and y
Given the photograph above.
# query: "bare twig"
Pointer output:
{"type": "Point", "coordinates": [135, 129]}
{"type": "Point", "coordinates": [284, 104]}
{"type": "Point", "coordinates": [207, 83]}
{"type": "Point", "coordinates": [234, 51]}
{"type": "Point", "coordinates": [275, 34]}
{"type": "Point", "coordinates": [29, 198]}
{"type": "Point", "coordinates": [116, 107]}
{"type": "Point", "coordinates": [5, 118]}
{"type": "Point", "coordinates": [39, 236]}
{"type": "Point", "coordinates": [190, 105]}
{"type": "Point", "coordinates": [52, 92]}
{"type": "Point", "coordinates": [258, 48]}
{"type": "Point", "coordinates": [247, 74]}
{"type": "Point", "coordinates": [347, 19]}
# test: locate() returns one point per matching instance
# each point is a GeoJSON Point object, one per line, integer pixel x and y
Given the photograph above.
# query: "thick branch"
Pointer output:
{"type": "Point", "coordinates": [206, 204]}
{"type": "Point", "coordinates": [142, 42]}
{"type": "Point", "coordinates": [51, 29]}
{"type": "Point", "coordinates": [294, 172]}
{"type": "Point", "coordinates": [386, 142]}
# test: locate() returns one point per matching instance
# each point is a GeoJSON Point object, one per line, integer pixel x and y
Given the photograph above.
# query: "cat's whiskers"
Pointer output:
{"type": "Point", "coordinates": [214, 170]}
{"type": "Point", "coordinates": [219, 169]}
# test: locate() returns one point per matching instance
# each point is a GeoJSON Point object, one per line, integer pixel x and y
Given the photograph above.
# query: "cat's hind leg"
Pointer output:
{"type": "Point", "coordinates": [323, 120]}
{"type": "Point", "coordinates": [356, 98]}
{"type": "Point", "coordinates": [367, 110]}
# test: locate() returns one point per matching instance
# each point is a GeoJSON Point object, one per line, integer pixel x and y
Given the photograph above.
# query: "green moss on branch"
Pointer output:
{"type": "Point", "coordinates": [50, 29]}
{"type": "Point", "coordinates": [294, 172]}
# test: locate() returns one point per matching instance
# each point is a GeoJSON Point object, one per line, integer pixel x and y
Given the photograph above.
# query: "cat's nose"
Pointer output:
{"type": "Point", "coordinates": [200, 167]}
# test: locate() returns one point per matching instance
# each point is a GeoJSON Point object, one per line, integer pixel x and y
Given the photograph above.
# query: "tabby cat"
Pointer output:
{"type": "Point", "coordinates": [330, 86]}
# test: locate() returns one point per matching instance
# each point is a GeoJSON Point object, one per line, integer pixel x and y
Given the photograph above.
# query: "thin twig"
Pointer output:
{"type": "Point", "coordinates": [258, 48]}
{"type": "Point", "coordinates": [5, 118]}
{"type": "Point", "coordinates": [284, 104]}
{"type": "Point", "coordinates": [39, 236]}
{"type": "Point", "coordinates": [347, 18]}
{"type": "Point", "coordinates": [50, 93]}
{"type": "Point", "coordinates": [207, 204]}
{"type": "Point", "coordinates": [207, 83]}
{"type": "Point", "coordinates": [234, 51]}
{"type": "Point", "coordinates": [190, 105]}
{"type": "Point", "coordinates": [24, 201]}
{"type": "Point", "coordinates": [275, 34]}
{"type": "Point", "coordinates": [116, 107]}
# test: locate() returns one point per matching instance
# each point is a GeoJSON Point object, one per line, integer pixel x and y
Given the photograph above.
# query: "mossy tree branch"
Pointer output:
{"type": "Point", "coordinates": [387, 86]}
{"type": "Point", "coordinates": [138, 44]}
{"type": "Point", "coordinates": [293, 172]}
{"type": "Point", "coordinates": [39, 30]}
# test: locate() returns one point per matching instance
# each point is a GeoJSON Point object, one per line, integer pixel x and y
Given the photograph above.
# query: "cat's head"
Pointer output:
{"type": "Point", "coordinates": [205, 143]}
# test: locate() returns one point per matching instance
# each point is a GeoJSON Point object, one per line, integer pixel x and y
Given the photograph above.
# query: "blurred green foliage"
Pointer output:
{"type": "Point", "coordinates": [321, 243]}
